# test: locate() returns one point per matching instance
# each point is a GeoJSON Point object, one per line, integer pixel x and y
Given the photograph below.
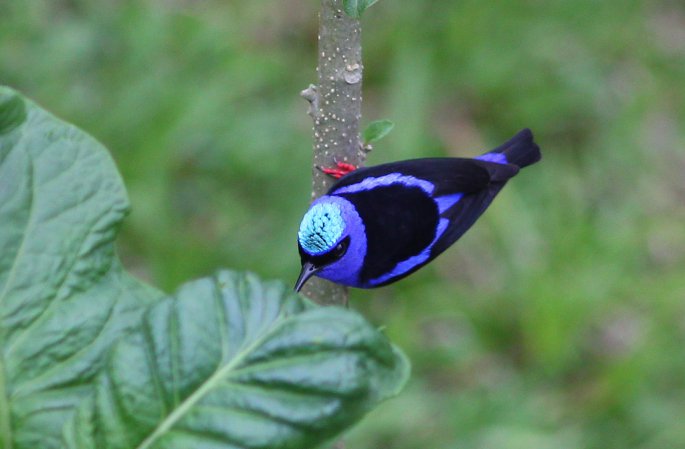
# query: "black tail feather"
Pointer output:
{"type": "Point", "coordinates": [520, 150]}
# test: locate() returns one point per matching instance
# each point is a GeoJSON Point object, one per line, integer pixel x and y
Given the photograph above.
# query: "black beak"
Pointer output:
{"type": "Point", "coordinates": [308, 270]}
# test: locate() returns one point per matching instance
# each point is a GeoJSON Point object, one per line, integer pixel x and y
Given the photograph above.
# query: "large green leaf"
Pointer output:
{"type": "Point", "coordinates": [228, 362]}
{"type": "Point", "coordinates": [231, 362]}
{"type": "Point", "coordinates": [64, 297]}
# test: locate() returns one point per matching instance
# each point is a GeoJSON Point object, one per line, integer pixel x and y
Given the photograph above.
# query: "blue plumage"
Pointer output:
{"type": "Point", "coordinates": [379, 224]}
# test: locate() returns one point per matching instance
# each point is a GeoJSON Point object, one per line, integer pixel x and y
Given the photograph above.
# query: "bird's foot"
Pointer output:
{"type": "Point", "coordinates": [342, 168]}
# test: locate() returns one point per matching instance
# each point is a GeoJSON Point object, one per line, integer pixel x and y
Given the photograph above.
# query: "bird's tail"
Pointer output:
{"type": "Point", "coordinates": [520, 150]}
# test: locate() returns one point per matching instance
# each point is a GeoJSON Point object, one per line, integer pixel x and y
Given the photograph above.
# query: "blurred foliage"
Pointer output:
{"type": "Point", "coordinates": [558, 321]}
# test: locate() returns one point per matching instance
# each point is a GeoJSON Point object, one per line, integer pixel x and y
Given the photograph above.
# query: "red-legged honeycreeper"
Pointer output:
{"type": "Point", "coordinates": [379, 224]}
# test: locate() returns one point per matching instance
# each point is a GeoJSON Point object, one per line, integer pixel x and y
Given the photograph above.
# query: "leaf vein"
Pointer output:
{"type": "Point", "coordinates": [53, 301]}
{"type": "Point", "coordinates": [5, 417]}
{"type": "Point", "coordinates": [166, 424]}
{"type": "Point", "coordinates": [222, 439]}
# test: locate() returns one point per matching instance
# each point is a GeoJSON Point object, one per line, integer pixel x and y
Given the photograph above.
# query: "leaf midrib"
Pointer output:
{"type": "Point", "coordinates": [211, 382]}
{"type": "Point", "coordinates": [5, 417]}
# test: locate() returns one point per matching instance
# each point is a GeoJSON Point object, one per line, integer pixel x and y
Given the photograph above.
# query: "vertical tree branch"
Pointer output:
{"type": "Point", "coordinates": [335, 107]}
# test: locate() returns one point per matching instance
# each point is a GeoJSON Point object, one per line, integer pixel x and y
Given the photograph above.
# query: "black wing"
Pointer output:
{"type": "Point", "coordinates": [463, 215]}
{"type": "Point", "coordinates": [448, 175]}
{"type": "Point", "coordinates": [400, 222]}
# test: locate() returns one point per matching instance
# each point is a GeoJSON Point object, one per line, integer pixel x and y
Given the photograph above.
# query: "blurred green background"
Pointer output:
{"type": "Point", "coordinates": [558, 321]}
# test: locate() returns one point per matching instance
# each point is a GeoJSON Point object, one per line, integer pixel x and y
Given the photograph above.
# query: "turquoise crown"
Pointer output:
{"type": "Point", "coordinates": [321, 228]}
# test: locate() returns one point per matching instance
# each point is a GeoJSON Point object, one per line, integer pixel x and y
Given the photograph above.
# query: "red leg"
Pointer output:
{"type": "Point", "coordinates": [342, 169]}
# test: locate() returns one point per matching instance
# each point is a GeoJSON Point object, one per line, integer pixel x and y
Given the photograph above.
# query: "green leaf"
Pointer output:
{"type": "Point", "coordinates": [355, 8]}
{"type": "Point", "coordinates": [377, 130]}
{"type": "Point", "coordinates": [64, 297]}
{"type": "Point", "coordinates": [228, 362]}
{"type": "Point", "coordinates": [231, 362]}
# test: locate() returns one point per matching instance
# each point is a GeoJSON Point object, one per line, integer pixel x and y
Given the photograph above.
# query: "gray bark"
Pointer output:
{"type": "Point", "coordinates": [335, 107]}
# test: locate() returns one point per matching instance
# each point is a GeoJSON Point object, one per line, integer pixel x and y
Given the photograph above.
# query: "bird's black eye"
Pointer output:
{"type": "Point", "coordinates": [329, 257]}
{"type": "Point", "coordinates": [341, 249]}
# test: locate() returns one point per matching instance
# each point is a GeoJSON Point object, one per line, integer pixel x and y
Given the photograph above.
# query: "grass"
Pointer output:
{"type": "Point", "coordinates": [558, 321]}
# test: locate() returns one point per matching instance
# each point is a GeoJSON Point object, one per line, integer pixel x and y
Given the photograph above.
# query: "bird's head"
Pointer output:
{"type": "Point", "coordinates": [331, 242]}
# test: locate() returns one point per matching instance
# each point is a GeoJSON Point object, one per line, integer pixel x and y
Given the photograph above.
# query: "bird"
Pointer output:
{"type": "Point", "coordinates": [378, 224]}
